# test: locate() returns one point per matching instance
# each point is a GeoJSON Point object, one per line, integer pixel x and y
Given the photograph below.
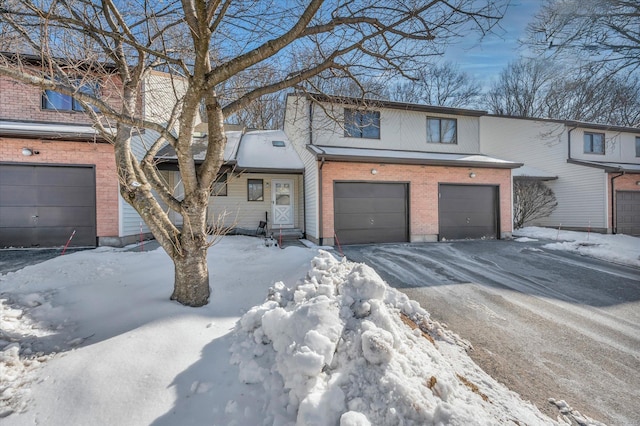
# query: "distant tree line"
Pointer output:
{"type": "Point", "coordinates": [583, 64]}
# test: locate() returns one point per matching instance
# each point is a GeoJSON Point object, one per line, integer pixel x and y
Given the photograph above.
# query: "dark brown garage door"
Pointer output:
{"type": "Point", "coordinates": [468, 212]}
{"type": "Point", "coordinates": [366, 212]}
{"type": "Point", "coordinates": [40, 206]}
{"type": "Point", "coordinates": [628, 212]}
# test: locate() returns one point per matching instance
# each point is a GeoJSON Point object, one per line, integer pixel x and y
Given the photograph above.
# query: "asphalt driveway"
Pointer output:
{"type": "Point", "coordinates": [548, 324]}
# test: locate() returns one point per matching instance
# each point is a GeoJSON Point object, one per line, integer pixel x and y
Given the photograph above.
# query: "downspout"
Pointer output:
{"type": "Point", "coordinates": [569, 142]}
{"type": "Point", "coordinates": [320, 222]}
{"type": "Point", "coordinates": [304, 175]}
{"type": "Point", "coordinates": [613, 198]}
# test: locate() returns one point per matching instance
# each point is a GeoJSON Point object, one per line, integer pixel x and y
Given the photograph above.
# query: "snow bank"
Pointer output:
{"type": "Point", "coordinates": [341, 347]}
{"type": "Point", "coordinates": [618, 248]}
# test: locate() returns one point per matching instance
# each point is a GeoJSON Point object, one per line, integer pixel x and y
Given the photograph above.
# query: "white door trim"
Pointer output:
{"type": "Point", "coordinates": [282, 216]}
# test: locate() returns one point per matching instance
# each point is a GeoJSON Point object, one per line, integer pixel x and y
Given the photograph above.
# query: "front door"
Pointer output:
{"type": "Point", "coordinates": [282, 200]}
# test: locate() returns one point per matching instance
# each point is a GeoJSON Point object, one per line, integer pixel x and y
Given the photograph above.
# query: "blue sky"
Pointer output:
{"type": "Point", "coordinates": [485, 58]}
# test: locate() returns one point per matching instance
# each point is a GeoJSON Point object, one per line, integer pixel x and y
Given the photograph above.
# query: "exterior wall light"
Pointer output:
{"type": "Point", "coordinates": [638, 182]}
{"type": "Point", "coordinates": [472, 175]}
{"type": "Point", "coordinates": [27, 152]}
{"type": "Point", "coordinates": [374, 172]}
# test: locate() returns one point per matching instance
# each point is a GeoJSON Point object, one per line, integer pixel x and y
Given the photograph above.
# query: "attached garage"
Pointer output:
{"type": "Point", "coordinates": [468, 212]}
{"type": "Point", "coordinates": [371, 212]}
{"type": "Point", "coordinates": [628, 212]}
{"type": "Point", "coordinates": [41, 205]}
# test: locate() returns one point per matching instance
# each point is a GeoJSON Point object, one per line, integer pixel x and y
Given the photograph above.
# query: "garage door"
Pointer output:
{"type": "Point", "coordinates": [628, 212]}
{"type": "Point", "coordinates": [468, 212]}
{"type": "Point", "coordinates": [366, 212]}
{"type": "Point", "coordinates": [40, 206]}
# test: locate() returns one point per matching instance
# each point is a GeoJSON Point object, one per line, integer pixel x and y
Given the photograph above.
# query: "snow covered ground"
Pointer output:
{"type": "Point", "coordinates": [291, 336]}
{"type": "Point", "coordinates": [618, 248]}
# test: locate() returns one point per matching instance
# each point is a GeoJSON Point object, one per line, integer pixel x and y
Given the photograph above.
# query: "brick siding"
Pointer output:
{"type": "Point", "coordinates": [423, 191]}
{"type": "Point", "coordinates": [100, 155]}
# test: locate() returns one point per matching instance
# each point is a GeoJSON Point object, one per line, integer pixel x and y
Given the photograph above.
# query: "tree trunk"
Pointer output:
{"type": "Point", "coordinates": [191, 285]}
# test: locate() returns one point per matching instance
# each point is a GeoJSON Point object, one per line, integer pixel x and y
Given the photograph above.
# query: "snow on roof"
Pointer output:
{"type": "Point", "coordinates": [257, 150]}
{"type": "Point", "coordinates": [533, 173]}
{"type": "Point", "coordinates": [253, 150]}
{"type": "Point", "coordinates": [410, 157]}
{"type": "Point", "coordinates": [231, 150]}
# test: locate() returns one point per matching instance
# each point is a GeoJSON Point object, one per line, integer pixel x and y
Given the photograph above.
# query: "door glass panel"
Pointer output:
{"type": "Point", "coordinates": [283, 194]}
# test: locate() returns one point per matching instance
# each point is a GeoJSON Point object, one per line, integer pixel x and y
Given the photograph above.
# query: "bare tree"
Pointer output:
{"type": "Point", "coordinates": [521, 88]}
{"type": "Point", "coordinates": [539, 89]}
{"type": "Point", "coordinates": [602, 31]}
{"type": "Point", "coordinates": [441, 85]}
{"type": "Point", "coordinates": [204, 44]}
{"type": "Point", "coordinates": [532, 200]}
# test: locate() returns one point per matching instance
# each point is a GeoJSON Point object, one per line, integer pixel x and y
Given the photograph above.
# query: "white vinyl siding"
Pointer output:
{"type": "Point", "coordinates": [235, 211]}
{"type": "Point", "coordinates": [399, 130]}
{"type": "Point", "coordinates": [619, 147]}
{"type": "Point", "coordinates": [580, 190]}
{"type": "Point", "coordinates": [296, 126]}
{"type": "Point", "coordinates": [129, 221]}
{"type": "Point", "coordinates": [582, 199]}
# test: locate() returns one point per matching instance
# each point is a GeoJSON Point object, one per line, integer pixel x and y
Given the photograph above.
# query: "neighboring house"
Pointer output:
{"type": "Point", "coordinates": [56, 174]}
{"type": "Point", "coordinates": [593, 169]}
{"type": "Point", "coordinates": [261, 180]}
{"type": "Point", "coordinates": [393, 172]}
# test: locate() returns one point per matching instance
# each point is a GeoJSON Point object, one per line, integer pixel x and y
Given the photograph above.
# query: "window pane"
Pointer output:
{"type": "Point", "coordinates": [55, 100]}
{"type": "Point", "coordinates": [255, 192]}
{"type": "Point", "coordinates": [351, 128]}
{"type": "Point", "coordinates": [433, 130]}
{"type": "Point", "coordinates": [598, 143]}
{"type": "Point", "coordinates": [220, 186]}
{"type": "Point", "coordinates": [448, 131]}
{"type": "Point", "coordinates": [637, 146]}
{"type": "Point", "coordinates": [361, 124]}
{"type": "Point", "coordinates": [89, 89]}
{"type": "Point", "coordinates": [587, 143]}
{"type": "Point", "coordinates": [371, 125]}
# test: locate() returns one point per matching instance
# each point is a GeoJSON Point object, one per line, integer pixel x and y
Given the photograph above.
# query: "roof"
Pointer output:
{"type": "Point", "coordinates": [251, 151]}
{"type": "Point", "coordinates": [573, 123]}
{"type": "Point", "coordinates": [362, 155]}
{"type": "Point", "coordinates": [377, 103]}
{"type": "Point", "coordinates": [608, 167]}
{"type": "Point", "coordinates": [28, 129]}
{"type": "Point", "coordinates": [531, 173]}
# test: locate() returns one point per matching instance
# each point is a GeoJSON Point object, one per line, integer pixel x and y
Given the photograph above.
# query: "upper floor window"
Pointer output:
{"type": "Point", "coordinates": [593, 143]}
{"type": "Point", "coordinates": [361, 124]}
{"type": "Point", "coordinates": [441, 130]}
{"type": "Point", "coordinates": [637, 146]}
{"type": "Point", "coordinates": [60, 102]}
